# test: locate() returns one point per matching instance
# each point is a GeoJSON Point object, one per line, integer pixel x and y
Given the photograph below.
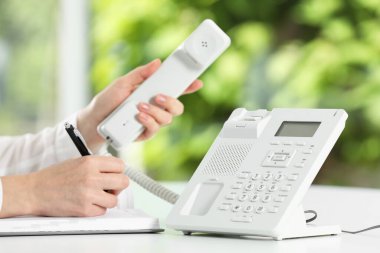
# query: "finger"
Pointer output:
{"type": "Point", "coordinates": [196, 85]}
{"type": "Point", "coordinates": [151, 126]}
{"type": "Point", "coordinates": [170, 104]}
{"type": "Point", "coordinates": [103, 163]}
{"type": "Point", "coordinates": [92, 210]}
{"type": "Point", "coordinates": [112, 181]}
{"type": "Point", "coordinates": [105, 199]}
{"type": "Point", "coordinates": [140, 74]}
{"type": "Point", "coordinates": [98, 210]}
{"type": "Point", "coordinates": [161, 116]}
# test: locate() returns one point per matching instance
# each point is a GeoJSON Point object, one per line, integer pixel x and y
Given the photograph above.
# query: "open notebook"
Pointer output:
{"type": "Point", "coordinates": [114, 221]}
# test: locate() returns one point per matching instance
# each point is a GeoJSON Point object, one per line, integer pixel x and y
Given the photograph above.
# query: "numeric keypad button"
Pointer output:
{"type": "Point", "coordinates": [267, 198]}
{"type": "Point", "coordinates": [248, 209]}
{"type": "Point", "coordinates": [278, 177]}
{"type": "Point", "coordinates": [255, 176]}
{"type": "Point", "coordinates": [249, 187]}
{"type": "Point", "coordinates": [236, 208]}
{"type": "Point", "coordinates": [254, 198]}
{"type": "Point", "coordinates": [260, 187]}
{"type": "Point", "coordinates": [259, 209]}
{"type": "Point", "coordinates": [267, 176]}
{"type": "Point", "coordinates": [243, 197]}
{"type": "Point", "coordinates": [273, 188]}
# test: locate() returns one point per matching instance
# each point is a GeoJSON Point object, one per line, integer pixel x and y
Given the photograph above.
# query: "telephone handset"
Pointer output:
{"type": "Point", "coordinates": [256, 173]}
{"type": "Point", "coordinates": [175, 74]}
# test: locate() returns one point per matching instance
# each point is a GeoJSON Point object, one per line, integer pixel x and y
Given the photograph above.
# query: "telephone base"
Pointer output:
{"type": "Point", "coordinates": [296, 227]}
{"type": "Point", "coordinates": [310, 231]}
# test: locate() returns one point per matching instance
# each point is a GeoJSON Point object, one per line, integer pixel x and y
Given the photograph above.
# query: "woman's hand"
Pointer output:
{"type": "Point", "coordinates": [73, 188]}
{"type": "Point", "coordinates": [152, 116]}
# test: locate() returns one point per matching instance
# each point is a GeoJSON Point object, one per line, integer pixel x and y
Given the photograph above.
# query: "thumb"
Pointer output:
{"type": "Point", "coordinates": [140, 74]}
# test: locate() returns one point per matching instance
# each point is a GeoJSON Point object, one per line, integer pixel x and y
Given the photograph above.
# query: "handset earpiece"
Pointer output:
{"type": "Point", "coordinates": [206, 43]}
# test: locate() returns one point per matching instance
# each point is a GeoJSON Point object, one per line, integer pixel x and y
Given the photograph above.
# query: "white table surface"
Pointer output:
{"type": "Point", "coordinates": [351, 208]}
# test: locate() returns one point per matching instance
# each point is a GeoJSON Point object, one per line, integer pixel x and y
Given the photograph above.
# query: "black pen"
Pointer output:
{"type": "Point", "coordinates": [77, 139]}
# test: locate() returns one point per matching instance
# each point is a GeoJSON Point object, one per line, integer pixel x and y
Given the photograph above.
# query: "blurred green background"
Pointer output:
{"type": "Point", "coordinates": [304, 53]}
{"type": "Point", "coordinates": [300, 53]}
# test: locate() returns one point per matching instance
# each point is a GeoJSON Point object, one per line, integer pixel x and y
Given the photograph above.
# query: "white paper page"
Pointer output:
{"type": "Point", "coordinates": [114, 219]}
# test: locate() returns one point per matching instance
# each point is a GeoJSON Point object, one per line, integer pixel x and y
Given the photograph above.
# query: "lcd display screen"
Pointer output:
{"type": "Point", "coordinates": [297, 129]}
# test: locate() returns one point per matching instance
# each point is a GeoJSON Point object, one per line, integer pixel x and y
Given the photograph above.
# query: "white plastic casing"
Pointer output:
{"type": "Point", "coordinates": [239, 153]}
{"type": "Point", "coordinates": [172, 78]}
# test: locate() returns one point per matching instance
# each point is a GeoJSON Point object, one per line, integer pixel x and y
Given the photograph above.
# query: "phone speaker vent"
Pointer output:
{"type": "Point", "coordinates": [227, 159]}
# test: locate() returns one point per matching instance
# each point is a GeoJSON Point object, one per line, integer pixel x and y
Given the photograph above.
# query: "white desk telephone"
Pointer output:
{"type": "Point", "coordinates": [255, 175]}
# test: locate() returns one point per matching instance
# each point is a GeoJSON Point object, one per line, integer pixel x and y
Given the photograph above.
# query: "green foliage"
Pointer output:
{"type": "Point", "coordinates": [302, 53]}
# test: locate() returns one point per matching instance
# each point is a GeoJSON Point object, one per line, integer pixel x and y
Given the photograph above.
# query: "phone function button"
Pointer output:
{"type": "Point", "coordinates": [279, 158]}
{"type": "Point", "coordinates": [275, 143]}
{"type": "Point", "coordinates": [299, 165]}
{"type": "Point", "coordinates": [287, 143]}
{"type": "Point", "coordinates": [300, 143]}
{"type": "Point", "coordinates": [259, 209]}
{"type": "Point", "coordinates": [248, 209]}
{"type": "Point", "coordinates": [243, 175]}
{"type": "Point", "coordinates": [245, 219]}
{"type": "Point", "coordinates": [292, 177]}
{"type": "Point", "coordinates": [307, 151]}
{"type": "Point", "coordinates": [279, 199]}
{"type": "Point", "coordinates": [243, 197]}
{"type": "Point", "coordinates": [249, 186]}
{"type": "Point", "coordinates": [285, 188]}
{"type": "Point", "coordinates": [236, 208]}
{"type": "Point", "coordinates": [255, 197]}
{"type": "Point", "coordinates": [224, 207]}
{"type": "Point", "coordinates": [267, 198]}
{"type": "Point", "coordinates": [231, 196]}
{"type": "Point", "coordinates": [256, 176]}
{"type": "Point", "coordinates": [237, 186]}
{"type": "Point", "coordinates": [273, 209]}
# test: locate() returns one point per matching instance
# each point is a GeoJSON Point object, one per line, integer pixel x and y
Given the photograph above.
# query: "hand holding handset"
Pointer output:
{"type": "Point", "coordinates": [172, 78]}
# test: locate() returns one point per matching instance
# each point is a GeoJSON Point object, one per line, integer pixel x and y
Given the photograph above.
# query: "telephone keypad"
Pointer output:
{"type": "Point", "coordinates": [259, 194]}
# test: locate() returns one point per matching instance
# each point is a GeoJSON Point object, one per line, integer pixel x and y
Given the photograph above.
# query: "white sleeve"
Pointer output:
{"type": "Point", "coordinates": [31, 152]}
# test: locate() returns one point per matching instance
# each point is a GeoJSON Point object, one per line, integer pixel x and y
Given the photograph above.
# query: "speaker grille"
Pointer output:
{"type": "Point", "coordinates": [226, 159]}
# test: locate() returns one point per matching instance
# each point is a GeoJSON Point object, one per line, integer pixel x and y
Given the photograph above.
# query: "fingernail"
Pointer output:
{"type": "Point", "coordinates": [161, 99]}
{"type": "Point", "coordinates": [144, 106]}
